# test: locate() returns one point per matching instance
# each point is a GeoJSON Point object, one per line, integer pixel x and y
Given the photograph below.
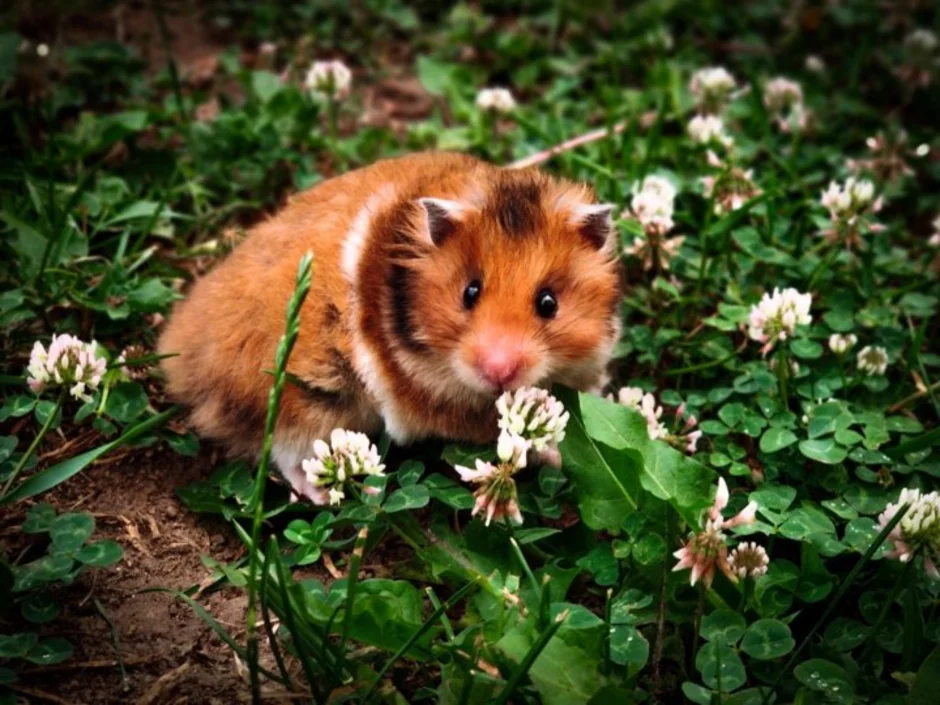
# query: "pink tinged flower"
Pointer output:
{"type": "Point", "coordinates": [721, 500]}
{"type": "Point", "coordinates": [776, 316]}
{"type": "Point", "coordinates": [70, 363]}
{"type": "Point", "coordinates": [483, 472]}
{"type": "Point", "coordinates": [692, 442]}
{"type": "Point", "coordinates": [748, 515]}
{"type": "Point", "coordinates": [918, 531]}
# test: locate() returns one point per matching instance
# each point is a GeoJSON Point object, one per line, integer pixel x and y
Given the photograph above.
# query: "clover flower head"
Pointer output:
{"type": "Point", "coordinates": [934, 240]}
{"type": "Point", "coordinates": [921, 42]}
{"type": "Point", "coordinates": [644, 402]}
{"type": "Point", "coordinates": [849, 199]}
{"type": "Point", "coordinates": [652, 204]}
{"type": "Point", "coordinates": [69, 362]}
{"type": "Point", "coordinates": [776, 316]}
{"type": "Point", "coordinates": [682, 436]}
{"type": "Point", "coordinates": [748, 560]}
{"type": "Point", "coordinates": [707, 129]}
{"type": "Point", "coordinates": [872, 360]}
{"type": "Point", "coordinates": [349, 454]}
{"type": "Point", "coordinates": [127, 358]}
{"type": "Point", "coordinates": [496, 496]}
{"type": "Point", "coordinates": [814, 64]}
{"type": "Point", "coordinates": [532, 418]}
{"type": "Point", "coordinates": [708, 549]}
{"type": "Point", "coordinates": [496, 100]}
{"type": "Point", "coordinates": [841, 344]}
{"type": "Point", "coordinates": [781, 94]}
{"type": "Point", "coordinates": [329, 79]}
{"type": "Point", "coordinates": [918, 530]}
{"type": "Point", "coordinates": [731, 189]}
{"type": "Point", "coordinates": [712, 86]}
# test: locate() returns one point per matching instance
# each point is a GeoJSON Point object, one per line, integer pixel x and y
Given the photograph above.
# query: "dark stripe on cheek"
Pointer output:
{"type": "Point", "coordinates": [331, 316]}
{"type": "Point", "coordinates": [516, 207]}
{"type": "Point", "coordinates": [400, 294]}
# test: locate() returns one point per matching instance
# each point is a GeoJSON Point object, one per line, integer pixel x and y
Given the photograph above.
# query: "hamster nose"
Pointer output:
{"type": "Point", "coordinates": [500, 366]}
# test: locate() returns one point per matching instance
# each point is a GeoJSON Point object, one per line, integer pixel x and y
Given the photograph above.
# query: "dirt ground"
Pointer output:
{"type": "Point", "coordinates": [169, 653]}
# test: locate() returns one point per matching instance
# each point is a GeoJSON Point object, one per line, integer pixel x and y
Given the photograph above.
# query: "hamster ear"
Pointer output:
{"type": "Point", "coordinates": [595, 224]}
{"type": "Point", "coordinates": [441, 218]}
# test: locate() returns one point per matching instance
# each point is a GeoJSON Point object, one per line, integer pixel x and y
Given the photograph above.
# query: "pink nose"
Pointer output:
{"type": "Point", "coordinates": [500, 366]}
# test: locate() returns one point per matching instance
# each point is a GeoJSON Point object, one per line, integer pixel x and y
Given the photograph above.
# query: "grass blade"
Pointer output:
{"type": "Point", "coordinates": [284, 347]}
{"type": "Point", "coordinates": [352, 581]}
{"type": "Point", "coordinates": [59, 473]}
{"type": "Point", "coordinates": [418, 633]}
{"type": "Point", "coordinates": [843, 588]}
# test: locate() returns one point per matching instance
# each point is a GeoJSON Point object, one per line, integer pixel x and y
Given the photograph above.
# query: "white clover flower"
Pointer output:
{"type": "Point", "coordinates": [748, 560]}
{"type": "Point", "coordinates": [849, 199]}
{"type": "Point", "coordinates": [776, 316]}
{"type": "Point", "coordinates": [644, 402]}
{"type": "Point", "coordinates": [348, 454]}
{"type": "Point", "coordinates": [497, 100]}
{"type": "Point", "coordinates": [70, 363]}
{"type": "Point", "coordinates": [329, 79]}
{"type": "Point", "coordinates": [814, 64]}
{"type": "Point", "coordinates": [496, 496]}
{"type": "Point", "coordinates": [653, 203]}
{"type": "Point", "coordinates": [934, 240]}
{"type": "Point", "coordinates": [918, 530]}
{"type": "Point", "coordinates": [921, 41]}
{"type": "Point", "coordinates": [781, 94]}
{"type": "Point", "coordinates": [531, 419]}
{"type": "Point", "coordinates": [712, 87]}
{"type": "Point", "coordinates": [872, 360]}
{"type": "Point", "coordinates": [706, 129]}
{"type": "Point", "coordinates": [42, 50]}
{"type": "Point", "coordinates": [708, 549]}
{"type": "Point", "coordinates": [840, 344]}
{"type": "Point", "coordinates": [652, 207]}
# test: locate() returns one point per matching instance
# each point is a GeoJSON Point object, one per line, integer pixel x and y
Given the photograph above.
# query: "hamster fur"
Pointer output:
{"type": "Point", "coordinates": [439, 280]}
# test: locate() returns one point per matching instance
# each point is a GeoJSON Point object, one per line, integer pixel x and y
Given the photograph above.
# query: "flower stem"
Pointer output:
{"type": "Point", "coordinates": [783, 375]}
{"type": "Point", "coordinates": [35, 444]}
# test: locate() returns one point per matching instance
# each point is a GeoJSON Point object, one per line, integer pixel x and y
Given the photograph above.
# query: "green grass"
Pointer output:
{"type": "Point", "coordinates": [117, 183]}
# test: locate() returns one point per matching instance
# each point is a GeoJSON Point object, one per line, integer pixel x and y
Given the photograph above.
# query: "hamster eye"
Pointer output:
{"type": "Point", "coordinates": [546, 305]}
{"type": "Point", "coordinates": [471, 294]}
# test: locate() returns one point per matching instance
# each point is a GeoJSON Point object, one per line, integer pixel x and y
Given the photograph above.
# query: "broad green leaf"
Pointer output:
{"type": "Point", "coordinates": [409, 497]}
{"type": "Point", "coordinates": [927, 682]}
{"type": "Point", "coordinates": [824, 451]}
{"type": "Point", "coordinates": [723, 627]}
{"type": "Point", "coordinates": [775, 439]}
{"type": "Point", "coordinates": [606, 481]}
{"type": "Point", "coordinates": [825, 677]}
{"type": "Point", "coordinates": [409, 472]}
{"type": "Point", "coordinates": [70, 531]}
{"type": "Point", "coordinates": [265, 85]}
{"type": "Point", "coordinates": [40, 608]}
{"type": "Point", "coordinates": [100, 553]}
{"type": "Point", "coordinates": [628, 646]}
{"type": "Point", "coordinates": [844, 634]}
{"type": "Point", "coordinates": [664, 472]}
{"type": "Point", "coordinates": [51, 650]}
{"type": "Point", "coordinates": [767, 639]}
{"type": "Point", "coordinates": [731, 671]}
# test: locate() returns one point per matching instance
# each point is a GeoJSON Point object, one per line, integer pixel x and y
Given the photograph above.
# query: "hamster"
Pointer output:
{"type": "Point", "coordinates": [439, 281]}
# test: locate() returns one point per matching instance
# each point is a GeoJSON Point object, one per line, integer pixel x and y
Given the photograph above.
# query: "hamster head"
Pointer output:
{"type": "Point", "coordinates": [515, 285]}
